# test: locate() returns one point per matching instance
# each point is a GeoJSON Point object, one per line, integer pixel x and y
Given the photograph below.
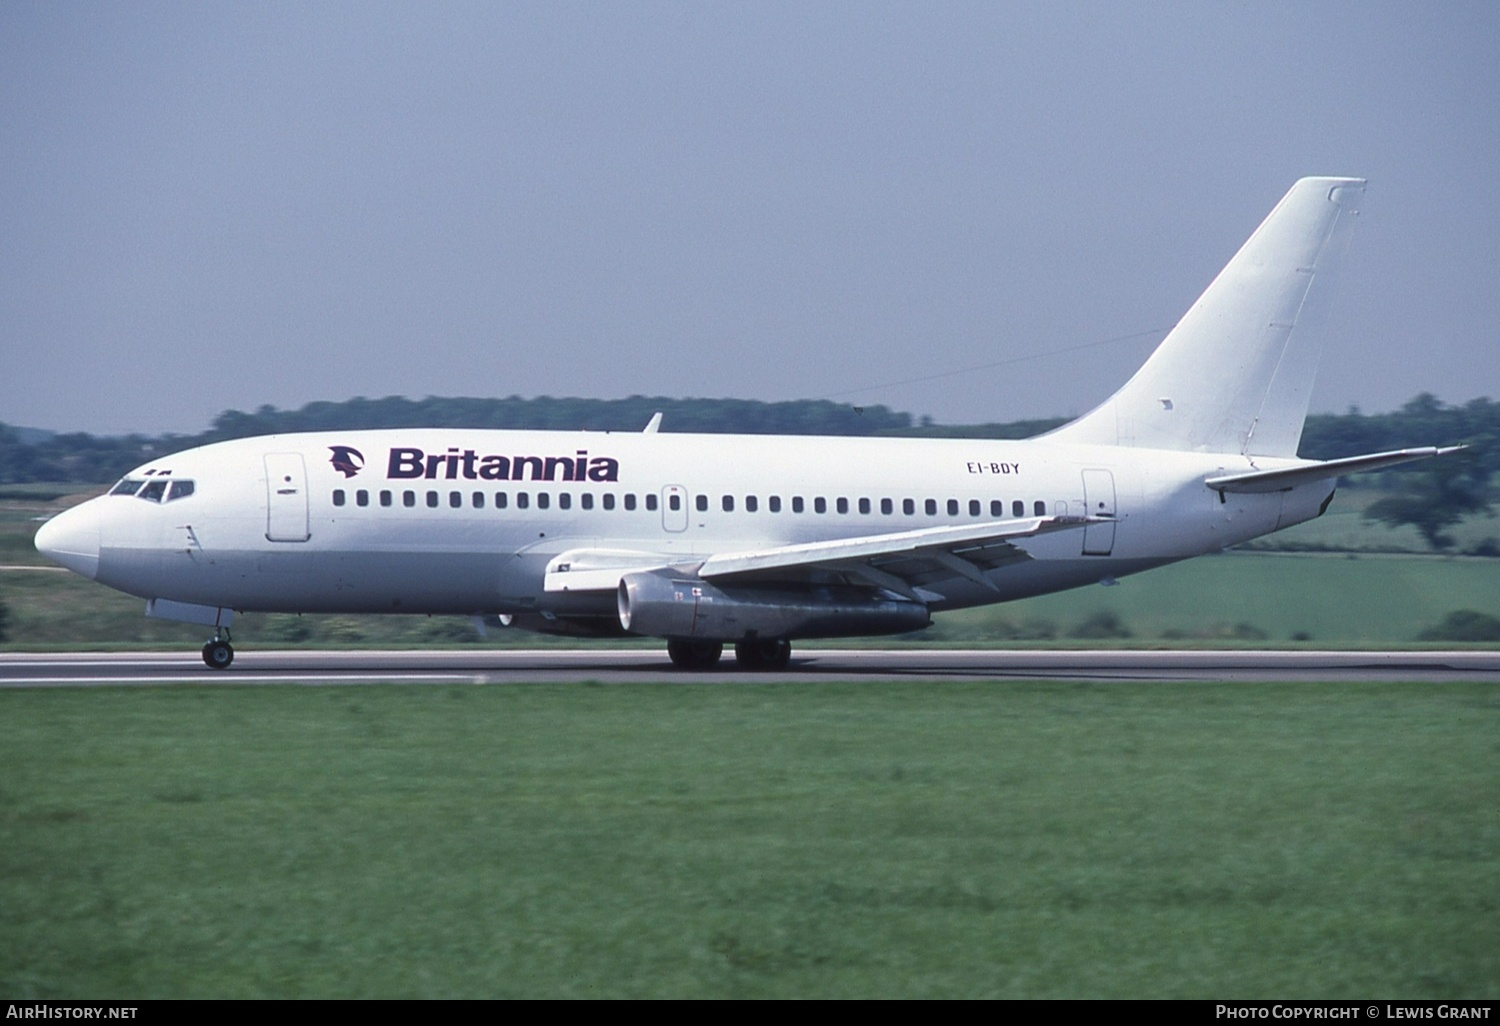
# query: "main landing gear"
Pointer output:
{"type": "Point", "coordinates": [219, 653]}
{"type": "Point", "coordinates": [763, 654]}
{"type": "Point", "coordinates": [753, 654]}
{"type": "Point", "coordinates": [694, 655]}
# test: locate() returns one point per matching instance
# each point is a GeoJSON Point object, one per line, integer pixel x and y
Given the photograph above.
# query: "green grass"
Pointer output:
{"type": "Point", "coordinates": [1334, 600]}
{"type": "Point", "coordinates": [1344, 527]}
{"type": "Point", "coordinates": [880, 840]}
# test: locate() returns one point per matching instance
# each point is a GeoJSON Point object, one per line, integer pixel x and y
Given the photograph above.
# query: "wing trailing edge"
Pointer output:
{"type": "Point", "coordinates": [899, 561]}
{"type": "Point", "coordinates": [929, 540]}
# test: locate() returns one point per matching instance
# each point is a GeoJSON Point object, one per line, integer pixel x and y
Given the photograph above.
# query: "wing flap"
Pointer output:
{"type": "Point", "coordinates": [884, 551]}
{"type": "Point", "coordinates": [597, 569]}
{"type": "Point", "coordinates": [902, 561]}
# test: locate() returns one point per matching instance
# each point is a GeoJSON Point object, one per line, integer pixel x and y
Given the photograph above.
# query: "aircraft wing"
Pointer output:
{"type": "Point", "coordinates": [1280, 480]}
{"type": "Point", "coordinates": [901, 561]}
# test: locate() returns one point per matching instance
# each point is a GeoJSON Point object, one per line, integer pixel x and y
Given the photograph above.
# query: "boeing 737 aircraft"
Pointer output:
{"type": "Point", "coordinates": [708, 539]}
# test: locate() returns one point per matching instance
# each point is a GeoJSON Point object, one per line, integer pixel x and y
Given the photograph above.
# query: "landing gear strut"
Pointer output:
{"type": "Point", "coordinates": [219, 653]}
{"type": "Point", "coordinates": [763, 654]}
{"type": "Point", "coordinates": [694, 655]}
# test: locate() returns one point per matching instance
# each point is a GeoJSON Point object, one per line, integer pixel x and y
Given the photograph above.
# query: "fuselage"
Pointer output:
{"type": "Point", "coordinates": [467, 521]}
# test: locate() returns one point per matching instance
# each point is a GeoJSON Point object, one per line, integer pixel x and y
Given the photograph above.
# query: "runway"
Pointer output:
{"type": "Point", "coordinates": [810, 666]}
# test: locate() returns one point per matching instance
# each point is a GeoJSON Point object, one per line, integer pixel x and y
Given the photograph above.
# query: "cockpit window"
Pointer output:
{"type": "Point", "coordinates": [155, 490]}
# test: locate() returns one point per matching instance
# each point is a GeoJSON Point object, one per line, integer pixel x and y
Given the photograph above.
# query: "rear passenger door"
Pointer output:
{"type": "Point", "coordinates": [1099, 501]}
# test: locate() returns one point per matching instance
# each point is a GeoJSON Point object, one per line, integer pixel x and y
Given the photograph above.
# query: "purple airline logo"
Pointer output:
{"type": "Point", "coordinates": [347, 460]}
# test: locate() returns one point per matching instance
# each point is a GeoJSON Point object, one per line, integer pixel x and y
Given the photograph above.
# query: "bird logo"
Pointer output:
{"type": "Point", "coordinates": [347, 460]}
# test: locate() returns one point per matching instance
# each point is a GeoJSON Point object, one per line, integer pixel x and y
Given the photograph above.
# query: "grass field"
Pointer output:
{"type": "Point", "coordinates": [874, 840]}
{"type": "Point", "coordinates": [1262, 598]}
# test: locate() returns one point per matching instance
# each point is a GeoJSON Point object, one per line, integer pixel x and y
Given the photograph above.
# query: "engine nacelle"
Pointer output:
{"type": "Point", "coordinates": [667, 605]}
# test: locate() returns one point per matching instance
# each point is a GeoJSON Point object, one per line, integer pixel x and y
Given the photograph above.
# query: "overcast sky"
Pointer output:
{"type": "Point", "coordinates": [207, 206]}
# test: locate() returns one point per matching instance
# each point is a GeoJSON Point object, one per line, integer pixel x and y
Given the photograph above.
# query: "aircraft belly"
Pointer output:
{"type": "Point", "coordinates": [310, 581]}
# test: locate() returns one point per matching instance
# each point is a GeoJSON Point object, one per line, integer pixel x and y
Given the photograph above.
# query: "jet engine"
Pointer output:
{"type": "Point", "coordinates": [664, 604]}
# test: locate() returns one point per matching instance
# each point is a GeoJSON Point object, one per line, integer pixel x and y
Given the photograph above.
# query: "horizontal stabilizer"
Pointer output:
{"type": "Point", "coordinates": [1280, 480]}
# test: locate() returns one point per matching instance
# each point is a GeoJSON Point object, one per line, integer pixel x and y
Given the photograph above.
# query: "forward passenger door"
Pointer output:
{"type": "Point", "coordinates": [286, 498]}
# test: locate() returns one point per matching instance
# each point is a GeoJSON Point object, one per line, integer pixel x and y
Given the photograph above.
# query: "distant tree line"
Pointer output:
{"type": "Point", "coordinates": [28, 456]}
{"type": "Point", "coordinates": [1432, 495]}
{"type": "Point", "coordinates": [713, 416]}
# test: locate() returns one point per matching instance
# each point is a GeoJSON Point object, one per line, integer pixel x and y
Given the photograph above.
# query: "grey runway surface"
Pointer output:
{"type": "Point", "coordinates": [624, 666]}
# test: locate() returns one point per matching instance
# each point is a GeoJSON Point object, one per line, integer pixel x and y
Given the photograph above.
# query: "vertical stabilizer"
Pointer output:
{"type": "Point", "coordinates": [1236, 373]}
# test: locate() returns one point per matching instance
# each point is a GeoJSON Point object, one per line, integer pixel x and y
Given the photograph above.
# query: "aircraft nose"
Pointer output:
{"type": "Point", "coordinates": [72, 539]}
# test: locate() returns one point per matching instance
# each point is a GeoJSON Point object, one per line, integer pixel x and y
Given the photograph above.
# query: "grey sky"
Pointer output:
{"type": "Point", "coordinates": [214, 206]}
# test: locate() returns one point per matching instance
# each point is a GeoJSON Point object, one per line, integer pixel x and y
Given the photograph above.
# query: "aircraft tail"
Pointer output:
{"type": "Point", "coordinates": [1236, 373]}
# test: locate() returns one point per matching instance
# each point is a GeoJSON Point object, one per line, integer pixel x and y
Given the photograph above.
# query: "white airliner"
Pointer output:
{"type": "Point", "coordinates": [707, 539]}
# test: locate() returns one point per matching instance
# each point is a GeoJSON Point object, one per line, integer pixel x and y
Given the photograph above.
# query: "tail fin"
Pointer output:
{"type": "Point", "coordinates": [1236, 374]}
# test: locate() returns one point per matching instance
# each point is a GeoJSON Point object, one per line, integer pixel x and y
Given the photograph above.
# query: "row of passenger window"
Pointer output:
{"type": "Point", "coordinates": [727, 503]}
{"type": "Point", "coordinates": [477, 500]}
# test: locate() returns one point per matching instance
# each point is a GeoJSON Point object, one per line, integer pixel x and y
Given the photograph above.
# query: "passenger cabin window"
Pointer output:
{"type": "Point", "coordinates": [953, 507]}
{"type": "Point", "coordinates": [931, 507]}
{"type": "Point", "coordinates": [338, 496]}
{"type": "Point", "coordinates": [887, 507]}
{"type": "Point", "coordinates": [820, 505]}
{"type": "Point", "coordinates": [751, 504]}
{"type": "Point", "coordinates": [796, 504]}
{"type": "Point", "coordinates": [974, 507]}
{"type": "Point", "coordinates": [565, 500]}
{"type": "Point", "coordinates": [586, 500]}
{"type": "Point", "coordinates": [385, 498]}
{"type": "Point", "coordinates": [630, 501]}
{"type": "Point", "coordinates": [501, 500]}
{"type": "Point", "coordinates": [728, 503]}
{"type": "Point", "coordinates": [432, 500]}
{"type": "Point", "coordinates": [1018, 508]}
{"type": "Point", "coordinates": [609, 500]}
{"type": "Point", "coordinates": [842, 505]}
{"type": "Point", "coordinates": [909, 507]}
{"type": "Point", "coordinates": [1040, 508]}
{"type": "Point", "coordinates": [775, 503]}
{"type": "Point", "coordinates": [651, 502]}
{"type": "Point", "coordinates": [543, 500]}
{"type": "Point", "coordinates": [361, 498]}
{"type": "Point", "coordinates": [408, 499]}
{"type": "Point", "coordinates": [700, 501]}
{"type": "Point", "coordinates": [997, 508]}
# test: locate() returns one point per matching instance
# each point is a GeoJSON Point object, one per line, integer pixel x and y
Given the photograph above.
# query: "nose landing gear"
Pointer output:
{"type": "Point", "coordinates": [219, 653]}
